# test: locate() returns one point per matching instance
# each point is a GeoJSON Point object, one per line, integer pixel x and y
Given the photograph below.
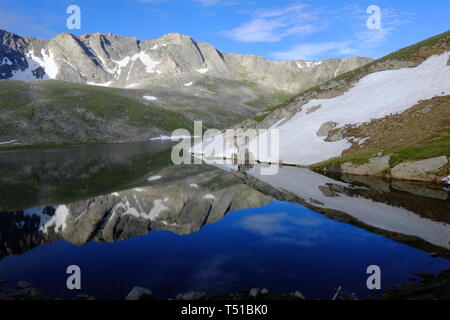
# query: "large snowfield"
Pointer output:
{"type": "Point", "coordinates": [374, 96]}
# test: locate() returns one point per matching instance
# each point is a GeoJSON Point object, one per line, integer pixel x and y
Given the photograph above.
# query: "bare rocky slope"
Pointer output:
{"type": "Point", "coordinates": [103, 87]}
{"type": "Point", "coordinates": [174, 59]}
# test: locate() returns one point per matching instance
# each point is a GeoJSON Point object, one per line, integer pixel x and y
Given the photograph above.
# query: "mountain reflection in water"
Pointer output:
{"type": "Point", "coordinates": [202, 228]}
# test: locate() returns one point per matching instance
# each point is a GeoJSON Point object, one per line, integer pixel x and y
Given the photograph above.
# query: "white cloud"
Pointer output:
{"type": "Point", "coordinates": [207, 3]}
{"type": "Point", "coordinates": [312, 51]}
{"type": "Point", "coordinates": [22, 24]}
{"type": "Point", "coordinates": [361, 42]}
{"type": "Point", "coordinates": [203, 3]}
{"type": "Point", "coordinates": [276, 24]}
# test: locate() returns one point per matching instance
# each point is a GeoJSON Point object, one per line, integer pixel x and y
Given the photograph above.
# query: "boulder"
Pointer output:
{"type": "Point", "coordinates": [299, 295]}
{"type": "Point", "coordinates": [325, 129]}
{"type": "Point", "coordinates": [264, 291]}
{"type": "Point", "coordinates": [191, 295]}
{"type": "Point", "coordinates": [254, 292]}
{"type": "Point", "coordinates": [29, 292]}
{"type": "Point", "coordinates": [375, 166]}
{"type": "Point", "coordinates": [423, 170]}
{"type": "Point", "coordinates": [139, 293]}
{"type": "Point", "coordinates": [23, 285]}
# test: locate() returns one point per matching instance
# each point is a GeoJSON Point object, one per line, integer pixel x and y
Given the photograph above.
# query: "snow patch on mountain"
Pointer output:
{"type": "Point", "coordinates": [149, 63]}
{"type": "Point", "coordinates": [7, 142]}
{"type": "Point", "coordinates": [158, 208]}
{"type": "Point", "coordinates": [154, 178]}
{"type": "Point", "coordinates": [58, 220]}
{"type": "Point", "coordinates": [6, 61]}
{"type": "Point", "coordinates": [375, 96]}
{"type": "Point", "coordinates": [151, 98]}
{"type": "Point", "coordinates": [106, 84]}
{"type": "Point", "coordinates": [47, 63]}
{"type": "Point", "coordinates": [133, 85]}
{"type": "Point", "coordinates": [202, 71]}
{"type": "Point", "coordinates": [189, 84]}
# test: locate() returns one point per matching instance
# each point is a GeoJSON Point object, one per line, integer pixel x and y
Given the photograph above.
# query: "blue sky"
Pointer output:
{"type": "Point", "coordinates": [275, 29]}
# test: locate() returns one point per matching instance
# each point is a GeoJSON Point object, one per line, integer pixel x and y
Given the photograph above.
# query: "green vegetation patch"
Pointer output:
{"type": "Point", "coordinates": [111, 103]}
{"type": "Point", "coordinates": [417, 151]}
{"type": "Point", "coordinates": [220, 182]}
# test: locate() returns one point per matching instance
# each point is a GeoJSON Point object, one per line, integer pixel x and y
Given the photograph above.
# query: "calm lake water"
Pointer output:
{"type": "Point", "coordinates": [129, 218]}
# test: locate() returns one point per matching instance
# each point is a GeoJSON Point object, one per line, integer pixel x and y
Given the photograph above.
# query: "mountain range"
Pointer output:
{"type": "Point", "coordinates": [110, 88]}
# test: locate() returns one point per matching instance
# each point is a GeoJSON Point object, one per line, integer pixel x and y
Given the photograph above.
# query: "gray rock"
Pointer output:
{"type": "Point", "coordinates": [426, 109]}
{"type": "Point", "coordinates": [337, 135]}
{"type": "Point", "coordinates": [27, 292]}
{"type": "Point", "coordinates": [312, 109]}
{"type": "Point", "coordinates": [191, 295]}
{"type": "Point", "coordinates": [139, 293]}
{"type": "Point", "coordinates": [299, 295]}
{"type": "Point", "coordinates": [423, 170]}
{"type": "Point", "coordinates": [254, 292]}
{"type": "Point", "coordinates": [23, 285]}
{"type": "Point", "coordinates": [375, 166]}
{"type": "Point", "coordinates": [264, 291]}
{"type": "Point", "coordinates": [325, 129]}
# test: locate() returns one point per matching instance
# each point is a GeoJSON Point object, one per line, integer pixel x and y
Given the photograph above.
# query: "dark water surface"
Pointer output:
{"type": "Point", "coordinates": [128, 218]}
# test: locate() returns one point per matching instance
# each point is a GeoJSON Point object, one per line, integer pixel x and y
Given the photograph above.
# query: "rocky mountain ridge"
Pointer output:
{"type": "Point", "coordinates": [123, 62]}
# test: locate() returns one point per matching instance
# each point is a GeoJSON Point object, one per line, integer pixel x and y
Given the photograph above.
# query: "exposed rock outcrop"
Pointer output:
{"type": "Point", "coordinates": [423, 170]}
{"type": "Point", "coordinates": [374, 167]}
{"type": "Point", "coordinates": [111, 60]}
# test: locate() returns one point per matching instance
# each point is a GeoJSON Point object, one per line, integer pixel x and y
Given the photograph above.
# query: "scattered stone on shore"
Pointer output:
{"type": "Point", "coordinates": [139, 293]}
{"type": "Point", "coordinates": [374, 167]}
{"type": "Point", "coordinates": [23, 285]}
{"type": "Point", "coordinates": [254, 292]}
{"type": "Point", "coordinates": [191, 295]}
{"type": "Point", "coordinates": [299, 295]}
{"type": "Point", "coordinates": [84, 297]}
{"type": "Point", "coordinates": [434, 254]}
{"type": "Point", "coordinates": [29, 292]}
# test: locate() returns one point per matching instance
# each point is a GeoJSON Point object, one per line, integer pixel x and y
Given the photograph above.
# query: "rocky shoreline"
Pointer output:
{"type": "Point", "coordinates": [433, 170]}
{"type": "Point", "coordinates": [423, 286]}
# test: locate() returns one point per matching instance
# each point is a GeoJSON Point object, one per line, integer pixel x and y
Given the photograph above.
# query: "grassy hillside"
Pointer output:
{"type": "Point", "coordinates": [53, 111]}
{"type": "Point", "coordinates": [48, 112]}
